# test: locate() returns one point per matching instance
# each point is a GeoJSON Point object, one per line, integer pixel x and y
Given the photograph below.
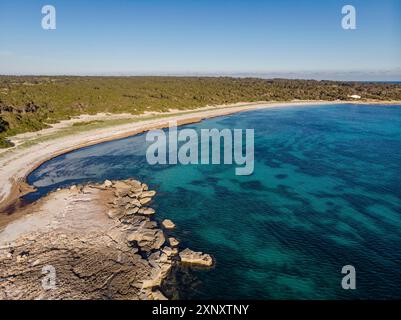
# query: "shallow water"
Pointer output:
{"type": "Point", "coordinates": [326, 192]}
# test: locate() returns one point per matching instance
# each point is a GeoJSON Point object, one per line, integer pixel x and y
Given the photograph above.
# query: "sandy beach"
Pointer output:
{"type": "Point", "coordinates": [16, 163]}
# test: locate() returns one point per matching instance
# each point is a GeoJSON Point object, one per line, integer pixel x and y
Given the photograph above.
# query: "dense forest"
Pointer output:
{"type": "Point", "coordinates": [31, 103]}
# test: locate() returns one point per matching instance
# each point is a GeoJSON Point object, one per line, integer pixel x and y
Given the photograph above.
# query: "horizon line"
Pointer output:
{"type": "Point", "coordinates": [317, 76]}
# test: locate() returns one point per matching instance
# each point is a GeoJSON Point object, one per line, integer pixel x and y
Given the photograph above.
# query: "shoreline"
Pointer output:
{"type": "Point", "coordinates": [17, 163]}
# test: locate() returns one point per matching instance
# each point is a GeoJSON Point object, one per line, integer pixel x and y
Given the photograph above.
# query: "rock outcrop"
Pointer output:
{"type": "Point", "coordinates": [173, 242]}
{"type": "Point", "coordinates": [168, 224]}
{"type": "Point", "coordinates": [196, 258]}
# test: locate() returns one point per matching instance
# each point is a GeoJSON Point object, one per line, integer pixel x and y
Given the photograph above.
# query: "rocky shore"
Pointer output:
{"type": "Point", "coordinates": [97, 241]}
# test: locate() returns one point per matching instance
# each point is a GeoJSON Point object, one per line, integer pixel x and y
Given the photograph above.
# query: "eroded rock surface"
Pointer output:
{"type": "Point", "coordinates": [196, 258]}
{"type": "Point", "coordinates": [87, 242]}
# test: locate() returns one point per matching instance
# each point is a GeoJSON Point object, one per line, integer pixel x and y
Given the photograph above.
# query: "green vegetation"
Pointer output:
{"type": "Point", "coordinates": [31, 103]}
{"type": "Point", "coordinates": [3, 125]}
{"type": "Point", "coordinates": [87, 123]}
{"type": "Point", "coordinates": [4, 143]}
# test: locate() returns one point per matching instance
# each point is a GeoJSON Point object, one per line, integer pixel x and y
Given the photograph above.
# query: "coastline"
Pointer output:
{"type": "Point", "coordinates": [100, 240]}
{"type": "Point", "coordinates": [119, 251]}
{"type": "Point", "coordinates": [17, 163]}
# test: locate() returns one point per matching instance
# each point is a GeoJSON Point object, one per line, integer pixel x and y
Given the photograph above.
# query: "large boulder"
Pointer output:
{"type": "Point", "coordinates": [146, 211]}
{"type": "Point", "coordinates": [115, 213]}
{"type": "Point", "coordinates": [144, 201]}
{"type": "Point", "coordinates": [134, 183]}
{"type": "Point", "coordinates": [168, 224]}
{"type": "Point", "coordinates": [122, 202]}
{"type": "Point", "coordinates": [122, 188]}
{"type": "Point", "coordinates": [135, 202]}
{"type": "Point", "coordinates": [107, 184]}
{"type": "Point", "coordinates": [148, 194]}
{"type": "Point", "coordinates": [147, 239]}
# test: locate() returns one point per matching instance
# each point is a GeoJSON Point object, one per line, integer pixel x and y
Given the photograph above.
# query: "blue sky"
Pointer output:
{"type": "Point", "coordinates": [294, 37]}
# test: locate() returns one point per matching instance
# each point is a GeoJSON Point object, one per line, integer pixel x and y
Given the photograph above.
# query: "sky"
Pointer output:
{"type": "Point", "coordinates": [289, 38]}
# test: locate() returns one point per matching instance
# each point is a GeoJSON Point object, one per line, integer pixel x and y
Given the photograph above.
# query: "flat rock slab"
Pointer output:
{"type": "Point", "coordinates": [168, 224]}
{"type": "Point", "coordinates": [196, 258]}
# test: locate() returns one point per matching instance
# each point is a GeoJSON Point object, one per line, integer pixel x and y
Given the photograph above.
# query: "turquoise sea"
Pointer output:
{"type": "Point", "coordinates": [325, 193]}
